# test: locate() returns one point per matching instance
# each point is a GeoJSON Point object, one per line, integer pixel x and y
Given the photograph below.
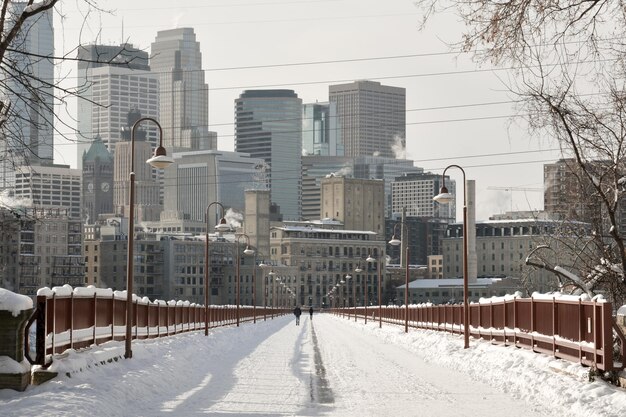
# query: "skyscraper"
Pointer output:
{"type": "Point", "coordinates": [198, 178]}
{"type": "Point", "coordinates": [320, 135]}
{"type": "Point", "coordinates": [184, 96]}
{"type": "Point", "coordinates": [414, 193]}
{"type": "Point", "coordinates": [370, 118]}
{"type": "Point", "coordinates": [118, 91]}
{"type": "Point", "coordinates": [268, 125]}
{"type": "Point", "coordinates": [98, 56]}
{"type": "Point", "coordinates": [27, 73]}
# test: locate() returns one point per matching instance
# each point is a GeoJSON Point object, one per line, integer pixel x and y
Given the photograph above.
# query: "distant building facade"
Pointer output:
{"type": "Point", "coordinates": [268, 125]}
{"type": "Point", "coordinates": [323, 256]}
{"type": "Point", "coordinates": [97, 189]}
{"type": "Point", "coordinates": [28, 137]}
{"type": "Point", "coordinates": [320, 133]}
{"type": "Point", "coordinates": [358, 204]}
{"type": "Point", "coordinates": [371, 117]}
{"type": "Point", "coordinates": [196, 179]}
{"type": "Point", "coordinates": [50, 187]}
{"type": "Point", "coordinates": [316, 167]}
{"type": "Point", "coordinates": [119, 91]}
{"type": "Point", "coordinates": [501, 249]}
{"type": "Point", "coordinates": [129, 157]}
{"type": "Point", "coordinates": [96, 56]}
{"type": "Point", "coordinates": [49, 250]}
{"type": "Point", "coordinates": [184, 95]}
{"type": "Point", "coordinates": [414, 193]}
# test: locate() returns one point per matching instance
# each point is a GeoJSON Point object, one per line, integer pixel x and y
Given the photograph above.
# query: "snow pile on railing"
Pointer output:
{"type": "Point", "coordinates": [91, 291]}
{"type": "Point", "coordinates": [547, 296]}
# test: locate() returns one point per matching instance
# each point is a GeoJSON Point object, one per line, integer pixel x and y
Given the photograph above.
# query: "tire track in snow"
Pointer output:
{"type": "Point", "coordinates": [321, 391]}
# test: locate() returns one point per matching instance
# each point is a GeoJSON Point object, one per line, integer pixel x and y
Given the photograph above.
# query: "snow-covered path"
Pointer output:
{"type": "Point", "coordinates": [329, 366]}
{"type": "Point", "coordinates": [399, 382]}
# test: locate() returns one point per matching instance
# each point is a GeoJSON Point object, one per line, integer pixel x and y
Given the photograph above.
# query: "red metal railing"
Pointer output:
{"type": "Point", "coordinates": [577, 331]}
{"type": "Point", "coordinates": [74, 320]}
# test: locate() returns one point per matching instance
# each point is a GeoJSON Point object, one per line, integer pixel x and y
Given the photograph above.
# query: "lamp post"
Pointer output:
{"type": "Point", "coordinates": [220, 227]}
{"type": "Point", "coordinates": [371, 259]}
{"type": "Point", "coordinates": [254, 290]}
{"type": "Point", "coordinates": [343, 295]}
{"type": "Point", "coordinates": [358, 270]}
{"type": "Point", "coordinates": [247, 251]}
{"type": "Point", "coordinates": [445, 197]}
{"type": "Point", "coordinates": [263, 265]}
{"type": "Point", "coordinates": [159, 160]}
{"type": "Point", "coordinates": [395, 241]}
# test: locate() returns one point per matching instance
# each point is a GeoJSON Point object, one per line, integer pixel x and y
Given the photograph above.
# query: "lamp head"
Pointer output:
{"type": "Point", "coordinates": [248, 251]}
{"type": "Point", "coordinates": [223, 225]}
{"type": "Point", "coordinates": [395, 241]}
{"type": "Point", "coordinates": [370, 259]}
{"type": "Point", "coordinates": [444, 196]}
{"type": "Point", "coordinates": [160, 159]}
{"type": "Point", "coordinates": [358, 269]}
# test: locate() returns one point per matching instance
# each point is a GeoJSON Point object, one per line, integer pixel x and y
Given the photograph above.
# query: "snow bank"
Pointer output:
{"type": "Point", "coordinates": [14, 303]}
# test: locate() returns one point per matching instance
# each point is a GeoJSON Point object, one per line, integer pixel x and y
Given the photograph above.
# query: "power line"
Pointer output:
{"type": "Point", "coordinates": [284, 174]}
{"type": "Point", "coordinates": [457, 106]}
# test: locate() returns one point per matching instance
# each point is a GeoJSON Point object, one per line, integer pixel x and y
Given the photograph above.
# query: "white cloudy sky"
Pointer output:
{"type": "Point", "coordinates": [452, 117]}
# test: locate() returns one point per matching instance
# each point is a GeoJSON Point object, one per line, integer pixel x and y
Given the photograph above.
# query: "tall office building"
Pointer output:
{"type": "Point", "coordinates": [414, 192]}
{"type": "Point", "coordinates": [268, 125]}
{"type": "Point", "coordinates": [50, 187]}
{"type": "Point", "coordinates": [320, 135]}
{"type": "Point", "coordinates": [98, 56]}
{"type": "Point", "coordinates": [118, 91]}
{"type": "Point", "coordinates": [371, 118]}
{"type": "Point", "coordinates": [27, 135]}
{"type": "Point", "coordinates": [176, 59]}
{"type": "Point", "coordinates": [196, 179]}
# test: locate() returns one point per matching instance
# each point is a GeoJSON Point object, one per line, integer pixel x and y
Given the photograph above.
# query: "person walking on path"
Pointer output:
{"type": "Point", "coordinates": [297, 312]}
{"type": "Point", "coordinates": [311, 312]}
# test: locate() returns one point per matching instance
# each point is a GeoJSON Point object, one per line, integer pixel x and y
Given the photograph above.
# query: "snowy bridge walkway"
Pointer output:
{"type": "Point", "coordinates": [328, 366]}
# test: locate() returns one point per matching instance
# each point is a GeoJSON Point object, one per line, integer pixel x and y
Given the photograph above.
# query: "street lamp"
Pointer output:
{"type": "Point", "coordinates": [220, 227]}
{"type": "Point", "coordinates": [247, 251]}
{"type": "Point", "coordinates": [159, 160]}
{"type": "Point", "coordinates": [370, 259]}
{"type": "Point", "coordinates": [358, 270]}
{"type": "Point", "coordinates": [348, 278]}
{"type": "Point", "coordinates": [445, 197]}
{"type": "Point", "coordinates": [395, 242]}
{"type": "Point", "coordinates": [263, 265]}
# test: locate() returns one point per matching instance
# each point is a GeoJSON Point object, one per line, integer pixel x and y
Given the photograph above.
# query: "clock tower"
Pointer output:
{"type": "Point", "coordinates": [97, 180]}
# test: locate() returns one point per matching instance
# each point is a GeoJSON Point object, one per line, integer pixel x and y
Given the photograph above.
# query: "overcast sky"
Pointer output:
{"type": "Point", "coordinates": [457, 111]}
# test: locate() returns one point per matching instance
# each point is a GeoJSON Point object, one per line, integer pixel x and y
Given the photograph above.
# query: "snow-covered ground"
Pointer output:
{"type": "Point", "coordinates": [328, 366]}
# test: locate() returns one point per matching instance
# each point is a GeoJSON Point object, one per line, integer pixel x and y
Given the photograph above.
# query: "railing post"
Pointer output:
{"type": "Point", "coordinates": [113, 316]}
{"type": "Point", "coordinates": [95, 315]}
{"type": "Point", "coordinates": [72, 320]}
{"type": "Point", "coordinates": [554, 325]}
{"type": "Point", "coordinates": [580, 331]}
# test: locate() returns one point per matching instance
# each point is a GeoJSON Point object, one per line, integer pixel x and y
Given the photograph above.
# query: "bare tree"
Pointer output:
{"type": "Point", "coordinates": [29, 89]}
{"type": "Point", "coordinates": [568, 61]}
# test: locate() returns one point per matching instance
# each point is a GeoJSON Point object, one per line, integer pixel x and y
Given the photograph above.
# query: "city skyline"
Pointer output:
{"type": "Point", "coordinates": [455, 110]}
